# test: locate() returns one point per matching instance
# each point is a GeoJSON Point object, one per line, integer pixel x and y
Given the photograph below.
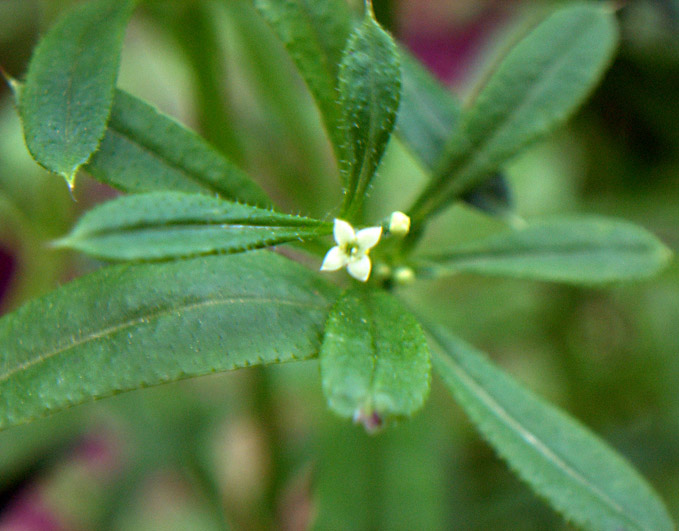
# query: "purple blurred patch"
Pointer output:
{"type": "Point", "coordinates": [449, 52]}
{"type": "Point", "coordinates": [29, 513]}
{"type": "Point", "coordinates": [7, 268]}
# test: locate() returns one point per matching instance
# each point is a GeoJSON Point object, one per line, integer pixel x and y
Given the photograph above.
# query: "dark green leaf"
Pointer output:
{"type": "Point", "coordinates": [587, 250]}
{"type": "Point", "coordinates": [428, 116]}
{"type": "Point", "coordinates": [315, 35]}
{"type": "Point", "coordinates": [70, 84]}
{"type": "Point", "coordinates": [536, 88]}
{"type": "Point", "coordinates": [563, 462]}
{"type": "Point", "coordinates": [429, 113]}
{"type": "Point", "coordinates": [163, 225]}
{"type": "Point", "coordinates": [369, 93]}
{"type": "Point", "coordinates": [374, 359]}
{"type": "Point", "coordinates": [127, 327]}
{"type": "Point", "coordinates": [145, 151]}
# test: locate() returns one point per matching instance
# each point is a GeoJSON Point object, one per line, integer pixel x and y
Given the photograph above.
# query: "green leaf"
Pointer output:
{"type": "Point", "coordinates": [586, 250]}
{"type": "Point", "coordinates": [561, 460]}
{"type": "Point", "coordinates": [163, 225]}
{"type": "Point", "coordinates": [374, 359]}
{"type": "Point", "coordinates": [535, 89]}
{"type": "Point", "coordinates": [195, 30]}
{"type": "Point", "coordinates": [394, 481]}
{"type": "Point", "coordinates": [315, 35]}
{"type": "Point", "coordinates": [70, 83]}
{"type": "Point", "coordinates": [145, 151]}
{"type": "Point", "coordinates": [369, 93]}
{"type": "Point", "coordinates": [429, 113]}
{"type": "Point", "coordinates": [126, 327]}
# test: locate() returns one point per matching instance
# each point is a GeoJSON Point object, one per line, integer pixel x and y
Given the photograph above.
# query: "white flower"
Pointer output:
{"type": "Point", "coordinates": [352, 250]}
{"type": "Point", "coordinates": [399, 223]}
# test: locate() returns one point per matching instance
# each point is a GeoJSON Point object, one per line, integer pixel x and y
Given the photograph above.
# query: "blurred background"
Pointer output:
{"type": "Point", "coordinates": [256, 449]}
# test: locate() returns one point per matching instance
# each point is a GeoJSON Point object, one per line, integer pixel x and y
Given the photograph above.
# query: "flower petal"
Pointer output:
{"type": "Point", "coordinates": [368, 238]}
{"type": "Point", "coordinates": [360, 269]}
{"type": "Point", "coordinates": [334, 259]}
{"type": "Point", "coordinates": [344, 233]}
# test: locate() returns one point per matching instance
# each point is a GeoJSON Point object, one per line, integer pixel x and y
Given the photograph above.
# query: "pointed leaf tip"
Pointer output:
{"type": "Point", "coordinates": [536, 88]}
{"type": "Point", "coordinates": [68, 93]}
{"type": "Point", "coordinates": [167, 225]}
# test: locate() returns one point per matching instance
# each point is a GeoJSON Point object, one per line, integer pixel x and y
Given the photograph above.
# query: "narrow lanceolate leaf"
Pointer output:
{"type": "Point", "coordinates": [164, 225]}
{"type": "Point", "coordinates": [144, 150]}
{"type": "Point", "coordinates": [587, 250]}
{"type": "Point", "coordinates": [576, 472]}
{"type": "Point", "coordinates": [127, 327]}
{"type": "Point", "coordinates": [429, 114]}
{"type": "Point", "coordinates": [70, 83]}
{"type": "Point", "coordinates": [374, 359]}
{"type": "Point", "coordinates": [536, 88]}
{"type": "Point", "coordinates": [315, 34]}
{"type": "Point", "coordinates": [369, 93]}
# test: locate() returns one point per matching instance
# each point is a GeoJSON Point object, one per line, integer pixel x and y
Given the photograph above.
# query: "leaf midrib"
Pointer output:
{"type": "Point", "coordinates": [363, 176]}
{"type": "Point", "coordinates": [188, 224]}
{"type": "Point", "coordinates": [478, 147]}
{"type": "Point", "coordinates": [566, 251]}
{"type": "Point", "coordinates": [94, 336]}
{"type": "Point", "coordinates": [75, 66]}
{"type": "Point", "coordinates": [441, 129]}
{"type": "Point", "coordinates": [540, 447]}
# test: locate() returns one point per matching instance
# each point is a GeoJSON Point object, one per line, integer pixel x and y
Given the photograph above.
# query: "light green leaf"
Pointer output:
{"type": "Point", "coordinates": [576, 472]}
{"type": "Point", "coordinates": [584, 250]}
{"type": "Point", "coordinates": [315, 34]}
{"type": "Point", "coordinates": [164, 225]}
{"type": "Point", "coordinates": [535, 89]}
{"type": "Point", "coordinates": [145, 151]}
{"type": "Point", "coordinates": [70, 83]}
{"type": "Point", "coordinates": [374, 359]}
{"type": "Point", "coordinates": [127, 327]}
{"type": "Point", "coordinates": [369, 93]}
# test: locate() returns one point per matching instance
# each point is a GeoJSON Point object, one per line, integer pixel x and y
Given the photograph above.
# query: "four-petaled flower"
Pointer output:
{"type": "Point", "coordinates": [352, 250]}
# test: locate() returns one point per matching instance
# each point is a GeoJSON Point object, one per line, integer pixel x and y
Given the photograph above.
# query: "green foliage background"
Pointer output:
{"type": "Point", "coordinates": [260, 442]}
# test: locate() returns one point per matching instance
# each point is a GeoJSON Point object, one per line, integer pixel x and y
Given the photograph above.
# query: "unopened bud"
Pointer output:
{"type": "Point", "coordinates": [399, 223]}
{"type": "Point", "coordinates": [403, 276]}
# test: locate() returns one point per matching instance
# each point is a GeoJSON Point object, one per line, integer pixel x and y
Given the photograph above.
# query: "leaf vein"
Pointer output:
{"type": "Point", "coordinates": [94, 336]}
{"type": "Point", "coordinates": [504, 416]}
